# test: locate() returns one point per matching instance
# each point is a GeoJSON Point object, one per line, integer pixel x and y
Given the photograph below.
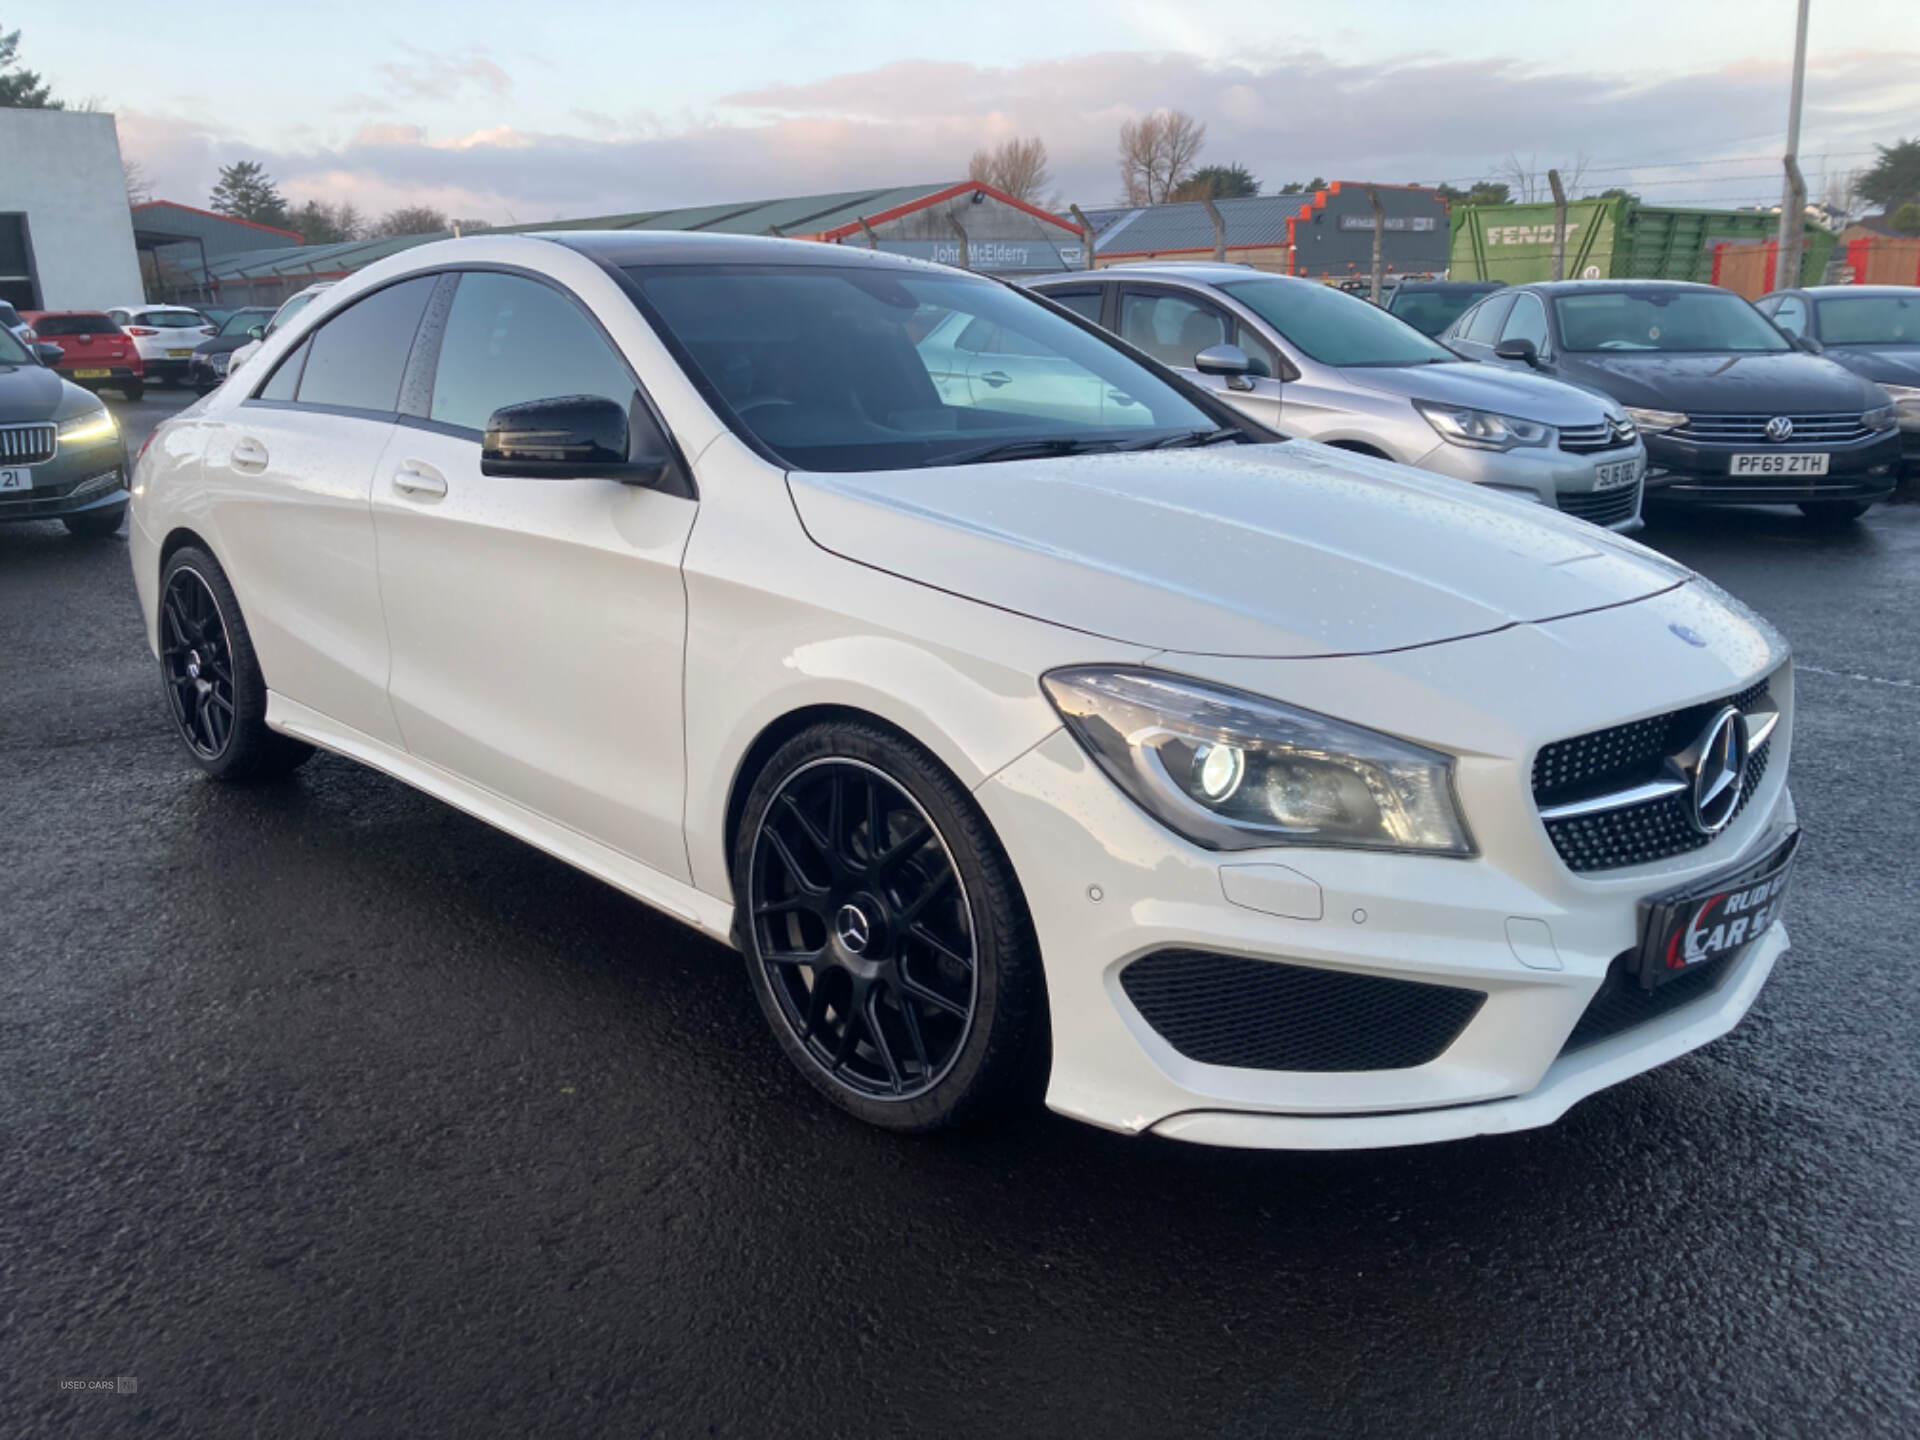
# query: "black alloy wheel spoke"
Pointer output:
{"type": "Point", "coordinates": [835, 952]}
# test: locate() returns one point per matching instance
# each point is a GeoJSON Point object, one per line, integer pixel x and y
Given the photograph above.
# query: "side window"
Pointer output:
{"type": "Point", "coordinates": [1266, 360]}
{"type": "Point", "coordinates": [1084, 303]}
{"type": "Point", "coordinates": [356, 358]}
{"type": "Point", "coordinates": [285, 380]}
{"type": "Point", "coordinates": [1171, 328]}
{"type": "Point", "coordinates": [1791, 315]}
{"type": "Point", "coordinates": [1527, 322]}
{"type": "Point", "coordinates": [509, 340]}
{"type": "Point", "coordinates": [1485, 322]}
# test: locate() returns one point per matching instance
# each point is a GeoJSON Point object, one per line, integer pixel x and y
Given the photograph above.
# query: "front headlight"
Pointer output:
{"type": "Point", "coordinates": [1653, 422]}
{"type": "Point", "coordinates": [1233, 771]}
{"type": "Point", "coordinates": [85, 429]}
{"type": "Point", "coordinates": [1881, 417]}
{"type": "Point", "coordinates": [1906, 402]}
{"type": "Point", "coordinates": [219, 363]}
{"type": "Point", "coordinates": [1482, 429]}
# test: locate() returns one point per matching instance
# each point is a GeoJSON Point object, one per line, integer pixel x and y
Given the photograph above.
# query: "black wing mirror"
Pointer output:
{"type": "Point", "coordinates": [1228, 360]}
{"type": "Point", "coordinates": [1518, 348]}
{"type": "Point", "coordinates": [48, 355]}
{"type": "Point", "coordinates": [575, 437]}
{"type": "Point", "coordinates": [1808, 344]}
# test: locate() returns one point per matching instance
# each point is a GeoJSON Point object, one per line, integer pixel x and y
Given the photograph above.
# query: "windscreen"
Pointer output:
{"type": "Point", "coordinates": [1431, 311]}
{"type": "Point", "coordinates": [1664, 320]}
{"type": "Point", "coordinates": [862, 368]}
{"type": "Point", "coordinates": [292, 308]}
{"type": "Point", "coordinates": [1333, 327]}
{"type": "Point", "coordinates": [51, 325]}
{"type": "Point", "coordinates": [169, 319]}
{"type": "Point", "coordinates": [1871, 320]}
{"type": "Point", "coordinates": [241, 321]}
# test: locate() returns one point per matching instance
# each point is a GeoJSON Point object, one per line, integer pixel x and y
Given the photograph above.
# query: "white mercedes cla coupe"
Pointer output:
{"type": "Point", "coordinates": [1055, 721]}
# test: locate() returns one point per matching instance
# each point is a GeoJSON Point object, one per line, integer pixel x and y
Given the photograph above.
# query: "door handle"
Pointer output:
{"type": "Point", "coordinates": [997, 378]}
{"type": "Point", "coordinates": [249, 456]}
{"type": "Point", "coordinates": [419, 480]}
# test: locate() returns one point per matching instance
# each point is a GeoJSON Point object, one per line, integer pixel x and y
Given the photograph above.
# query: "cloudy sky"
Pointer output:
{"type": "Point", "coordinates": [530, 112]}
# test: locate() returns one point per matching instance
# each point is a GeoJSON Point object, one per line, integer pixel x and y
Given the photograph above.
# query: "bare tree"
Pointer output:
{"type": "Point", "coordinates": [139, 187]}
{"type": "Point", "coordinates": [1157, 152]}
{"type": "Point", "coordinates": [1527, 180]}
{"type": "Point", "coordinates": [1017, 166]}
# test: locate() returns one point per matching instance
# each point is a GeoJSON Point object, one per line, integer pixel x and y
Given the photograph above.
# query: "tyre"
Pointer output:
{"type": "Point", "coordinates": [1834, 512]}
{"type": "Point", "coordinates": [215, 691]}
{"type": "Point", "coordinates": [134, 389]}
{"type": "Point", "coordinates": [95, 524]}
{"type": "Point", "coordinates": [884, 933]}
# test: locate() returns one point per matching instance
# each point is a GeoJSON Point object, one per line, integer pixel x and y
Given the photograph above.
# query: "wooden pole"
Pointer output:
{"type": "Point", "coordinates": [1379, 236]}
{"type": "Point", "coordinates": [966, 254]}
{"type": "Point", "coordinates": [1086, 237]}
{"type": "Point", "coordinates": [1219, 228]}
{"type": "Point", "coordinates": [1559, 225]}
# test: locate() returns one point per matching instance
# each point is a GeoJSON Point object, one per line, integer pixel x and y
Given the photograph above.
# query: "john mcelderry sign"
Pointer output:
{"type": "Point", "coordinates": [1029, 255]}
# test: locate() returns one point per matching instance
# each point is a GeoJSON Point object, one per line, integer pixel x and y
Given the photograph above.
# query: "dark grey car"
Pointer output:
{"type": "Point", "coordinates": [1873, 330]}
{"type": "Point", "coordinates": [61, 455]}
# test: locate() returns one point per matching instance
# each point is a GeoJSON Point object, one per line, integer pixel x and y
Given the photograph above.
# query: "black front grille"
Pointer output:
{"type": "Point", "coordinates": [1603, 507]}
{"type": "Point", "coordinates": [1622, 1003]}
{"type": "Point", "coordinates": [1265, 1015]}
{"type": "Point", "coordinates": [25, 444]}
{"type": "Point", "coordinates": [1752, 429]}
{"type": "Point", "coordinates": [1586, 439]}
{"type": "Point", "coordinates": [1623, 756]}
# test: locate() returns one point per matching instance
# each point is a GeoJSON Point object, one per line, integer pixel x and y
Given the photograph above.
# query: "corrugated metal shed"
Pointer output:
{"type": "Point", "coordinates": [1155, 229]}
{"type": "Point", "coordinates": [161, 222]}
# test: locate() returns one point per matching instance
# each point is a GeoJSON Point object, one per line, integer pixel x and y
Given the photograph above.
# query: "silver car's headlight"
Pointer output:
{"type": "Point", "coordinates": [86, 429]}
{"type": "Point", "coordinates": [1233, 771]}
{"type": "Point", "coordinates": [1482, 429]}
{"type": "Point", "coordinates": [1655, 422]}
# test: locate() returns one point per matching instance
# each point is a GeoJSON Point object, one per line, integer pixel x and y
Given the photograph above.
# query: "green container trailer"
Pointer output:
{"type": "Point", "coordinates": [1617, 239]}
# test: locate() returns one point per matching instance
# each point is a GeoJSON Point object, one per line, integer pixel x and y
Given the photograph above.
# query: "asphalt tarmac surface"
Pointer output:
{"type": "Point", "coordinates": [325, 1110]}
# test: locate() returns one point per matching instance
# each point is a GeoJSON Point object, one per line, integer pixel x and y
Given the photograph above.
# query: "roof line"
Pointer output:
{"type": "Point", "coordinates": [293, 235]}
{"type": "Point", "coordinates": [840, 232]}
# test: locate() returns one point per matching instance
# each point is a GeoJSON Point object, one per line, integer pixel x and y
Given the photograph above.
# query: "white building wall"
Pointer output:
{"type": "Point", "coordinates": [62, 169]}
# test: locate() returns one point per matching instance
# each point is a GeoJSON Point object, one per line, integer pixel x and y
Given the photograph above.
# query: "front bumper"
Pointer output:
{"type": "Point", "coordinates": [1684, 471]}
{"type": "Point", "coordinates": [1107, 886]}
{"type": "Point", "coordinates": [204, 374]}
{"type": "Point", "coordinates": [1548, 475]}
{"type": "Point", "coordinates": [76, 480]}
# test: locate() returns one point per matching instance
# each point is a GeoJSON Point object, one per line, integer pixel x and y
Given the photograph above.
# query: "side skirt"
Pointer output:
{"type": "Point", "coordinates": [676, 898]}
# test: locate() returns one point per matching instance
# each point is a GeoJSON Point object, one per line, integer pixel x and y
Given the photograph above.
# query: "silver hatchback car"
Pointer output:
{"type": "Point", "coordinates": [1309, 360]}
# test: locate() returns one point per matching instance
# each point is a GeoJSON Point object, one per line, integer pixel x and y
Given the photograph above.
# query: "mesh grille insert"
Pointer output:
{"type": "Point", "coordinates": [1621, 1003]}
{"type": "Point", "coordinates": [1603, 507]}
{"type": "Point", "coordinates": [1263, 1015]}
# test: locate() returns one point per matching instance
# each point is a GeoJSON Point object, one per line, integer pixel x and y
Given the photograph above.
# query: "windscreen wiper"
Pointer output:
{"type": "Point", "coordinates": [1035, 449]}
{"type": "Point", "coordinates": [1186, 439]}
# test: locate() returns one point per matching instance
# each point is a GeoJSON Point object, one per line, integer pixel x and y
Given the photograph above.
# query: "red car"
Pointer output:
{"type": "Point", "coordinates": [98, 353]}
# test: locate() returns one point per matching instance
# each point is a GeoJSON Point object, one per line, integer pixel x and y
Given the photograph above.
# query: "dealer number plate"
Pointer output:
{"type": "Point", "coordinates": [1770, 463]}
{"type": "Point", "coordinates": [179, 354]}
{"type": "Point", "coordinates": [11, 480]}
{"type": "Point", "coordinates": [1615, 474]}
{"type": "Point", "coordinates": [91, 374]}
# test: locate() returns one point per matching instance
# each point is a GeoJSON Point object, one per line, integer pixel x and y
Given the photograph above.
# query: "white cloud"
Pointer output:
{"type": "Point", "coordinates": [1286, 117]}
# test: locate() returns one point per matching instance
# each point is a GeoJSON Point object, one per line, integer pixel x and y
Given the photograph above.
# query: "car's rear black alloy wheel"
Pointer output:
{"type": "Point", "coordinates": [197, 661]}
{"type": "Point", "coordinates": [862, 929]}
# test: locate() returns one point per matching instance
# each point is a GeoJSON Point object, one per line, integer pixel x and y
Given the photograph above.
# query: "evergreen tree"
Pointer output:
{"type": "Point", "coordinates": [247, 192]}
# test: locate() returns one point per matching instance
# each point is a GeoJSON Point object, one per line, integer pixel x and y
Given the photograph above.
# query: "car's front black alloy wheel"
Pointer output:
{"type": "Point", "coordinates": [862, 929]}
{"type": "Point", "coordinates": [196, 659]}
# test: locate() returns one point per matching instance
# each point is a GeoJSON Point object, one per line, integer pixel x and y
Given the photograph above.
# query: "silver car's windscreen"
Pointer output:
{"type": "Point", "coordinates": [1336, 328]}
{"type": "Point", "coordinates": [862, 368]}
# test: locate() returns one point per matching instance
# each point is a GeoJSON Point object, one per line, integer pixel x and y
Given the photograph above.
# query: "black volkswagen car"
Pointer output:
{"type": "Point", "coordinates": [61, 455]}
{"type": "Point", "coordinates": [1873, 330]}
{"type": "Point", "coordinates": [207, 367]}
{"type": "Point", "coordinates": [1733, 411]}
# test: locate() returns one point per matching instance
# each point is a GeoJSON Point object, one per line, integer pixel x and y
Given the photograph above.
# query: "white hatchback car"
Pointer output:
{"type": "Point", "coordinates": [1255, 792]}
{"type": "Point", "coordinates": [164, 335]}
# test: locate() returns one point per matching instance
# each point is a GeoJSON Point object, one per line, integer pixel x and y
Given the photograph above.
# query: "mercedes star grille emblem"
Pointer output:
{"type": "Point", "coordinates": [1718, 768]}
{"type": "Point", "coordinates": [1779, 429]}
